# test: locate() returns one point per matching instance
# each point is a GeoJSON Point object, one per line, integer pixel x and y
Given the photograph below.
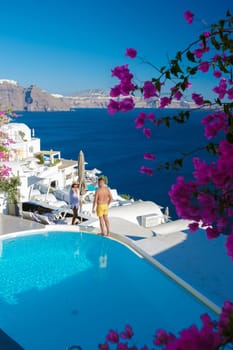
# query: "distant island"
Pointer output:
{"type": "Point", "coordinates": [33, 98]}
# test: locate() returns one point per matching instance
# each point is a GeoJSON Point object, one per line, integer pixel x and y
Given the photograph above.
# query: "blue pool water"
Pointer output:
{"type": "Point", "coordinates": [63, 288]}
{"type": "Point", "coordinates": [91, 187]}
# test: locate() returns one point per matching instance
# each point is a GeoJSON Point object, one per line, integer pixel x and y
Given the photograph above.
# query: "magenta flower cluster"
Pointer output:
{"type": "Point", "coordinates": [224, 88]}
{"type": "Point", "coordinates": [124, 88]}
{"type": "Point", "coordinates": [215, 123]}
{"type": "Point", "coordinates": [212, 335]}
{"type": "Point", "coordinates": [188, 15]}
{"type": "Point", "coordinates": [198, 99]}
{"type": "Point", "coordinates": [149, 90]}
{"type": "Point", "coordinates": [208, 199]}
{"type": "Point", "coordinates": [140, 123]}
{"type": "Point", "coordinates": [5, 141]}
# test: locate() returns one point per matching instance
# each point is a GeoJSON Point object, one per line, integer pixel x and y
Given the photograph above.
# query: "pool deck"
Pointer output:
{"type": "Point", "coordinates": [11, 224]}
{"type": "Point", "coordinates": [200, 262]}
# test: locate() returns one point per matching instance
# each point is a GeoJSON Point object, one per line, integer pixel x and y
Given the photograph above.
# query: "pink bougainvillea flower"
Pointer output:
{"type": "Point", "coordinates": [115, 91]}
{"type": "Point", "coordinates": [224, 56]}
{"type": "Point", "coordinates": [149, 156]}
{"type": "Point", "coordinates": [193, 227]}
{"type": "Point", "coordinates": [188, 15]}
{"type": "Point", "coordinates": [128, 332]}
{"type": "Point", "coordinates": [176, 93]}
{"type": "Point", "coordinates": [165, 101]}
{"type": "Point", "coordinates": [151, 116]}
{"type": "Point", "coordinates": [126, 87]}
{"type": "Point", "coordinates": [113, 336]}
{"type": "Point", "coordinates": [226, 316]}
{"type": "Point", "coordinates": [121, 72]}
{"type": "Point", "coordinates": [217, 74]}
{"type": "Point", "coordinates": [113, 106]}
{"type": "Point", "coordinates": [4, 172]}
{"type": "Point", "coordinates": [127, 104]}
{"type": "Point", "coordinates": [198, 53]}
{"type": "Point", "coordinates": [206, 34]}
{"type": "Point", "coordinates": [146, 170]}
{"type": "Point", "coordinates": [122, 346]}
{"type": "Point", "coordinates": [140, 120]}
{"type": "Point", "coordinates": [198, 99]}
{"type": "Point", "coordinates": [147, 132]}
{"type": "Point", "coordinates": [204, 66]}
{"type": "Point", "coordinates": [214, 123]}
{"type": "Point", "coordinates": [230, 94]}
{"type": "Point", "coordinates": [188, 85]}
{"type": "Point", "coordinates": [202, 172]}
{"type": "Point", "coordinates": [161, 337]}
{"type": "Point", "coordinates": [221, 89]}
{"type": "Point", "coordinates": [181, 194]}
{"type": "Point", "coordinates": [216, 57]}
{"type": "Point", "coordinates": [149, 90]}
{"type": "Point", "coordinates": [130, 52]}
{"type": "Point", "coordinates": [104, 346]}
{"type": "Point", "coordinates": [212, 232]}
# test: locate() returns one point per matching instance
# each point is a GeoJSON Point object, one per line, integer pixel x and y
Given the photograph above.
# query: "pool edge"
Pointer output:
{"type": "Point", "coordinates": [129, 244]}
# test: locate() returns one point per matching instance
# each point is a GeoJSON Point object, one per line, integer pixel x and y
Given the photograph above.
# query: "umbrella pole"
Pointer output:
{"type": "Point", "coordinates": [81, 215]}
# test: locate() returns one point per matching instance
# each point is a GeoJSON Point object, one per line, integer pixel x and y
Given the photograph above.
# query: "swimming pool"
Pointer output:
{"type": "Point", "coordinates": [91, 187]}
{"type": "Point", "coordinates": [63, 288]}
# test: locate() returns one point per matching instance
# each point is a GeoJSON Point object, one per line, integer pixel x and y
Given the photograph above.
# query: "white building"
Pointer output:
{"type": "Point", "coordinates": [24, 145]}
{"type": "Point", "coordinates": [37, 169]}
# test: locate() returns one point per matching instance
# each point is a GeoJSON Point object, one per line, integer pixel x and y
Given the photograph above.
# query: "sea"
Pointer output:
{"type": "Point", "coordinates": [112, 144]}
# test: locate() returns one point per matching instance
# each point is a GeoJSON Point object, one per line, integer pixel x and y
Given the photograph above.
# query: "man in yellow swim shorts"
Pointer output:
{"type": "Point", "coordinates": [102, 199]}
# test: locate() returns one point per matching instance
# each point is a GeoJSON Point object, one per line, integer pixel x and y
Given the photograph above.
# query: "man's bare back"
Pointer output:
{"type": "Point", "coordinates": [103, 196]}
{"type": "Point", "coordinates": [102, 199]}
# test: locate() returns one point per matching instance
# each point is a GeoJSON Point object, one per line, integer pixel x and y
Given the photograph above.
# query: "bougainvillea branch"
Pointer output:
{"type": "Point", "coordinates": [207, 199]}
{"type": "Point", "coordinates": [209, 204]}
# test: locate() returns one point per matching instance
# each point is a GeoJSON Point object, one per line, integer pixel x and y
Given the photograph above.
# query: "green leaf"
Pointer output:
{"type": "Point", "coordinates": [215, 43]}
{"type": "Point", "coordinates": [211, 148]}
{"type": "Point", "coordinates": [227, 107]}
{"type": "Point", "coordinates": [222, 66]}
{"type": "Point", "coordinates": [190, 56]}
{"type": "Point", "coordinates": [193, 71]}
{"type": "Point", "coordinates": [179, 56]}
{"type": "Point", "coordinates": [218, 101]}
{"type": "Point", "coordinates": [167, 122]}
{"type": "Point", "coordinates": [230, 137]}
{"type": "Point", "coordinates": [158, 85]}
{"type": "Point", "coordinates": [178, 163]}
{"type": "Point", "coordinates": [167, 74]}
{"type": "Point", "coordinates": [221, 23]}
{"type": "Point", "coordinates": [162, 69]}
{"type": "Point", "coordinates": [203, 39]}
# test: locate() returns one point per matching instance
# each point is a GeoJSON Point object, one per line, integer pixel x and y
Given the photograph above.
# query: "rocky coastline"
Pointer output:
{"type": "Point", "coordinates": [33, 99]}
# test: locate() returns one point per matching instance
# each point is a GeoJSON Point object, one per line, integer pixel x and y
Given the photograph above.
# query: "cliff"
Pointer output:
{"type": "Point", "coordinates": [14, 96]}
{"type": "Point", "coordinates": [33, 98]}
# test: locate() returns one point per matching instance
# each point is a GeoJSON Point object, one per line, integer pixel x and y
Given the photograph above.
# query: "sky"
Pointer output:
{"type": "Point", "coordinates": [65, 46]}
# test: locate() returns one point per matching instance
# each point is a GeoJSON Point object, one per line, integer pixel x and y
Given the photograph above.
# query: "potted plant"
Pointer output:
{"type": "Point", "coordinates": [10, 188]}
